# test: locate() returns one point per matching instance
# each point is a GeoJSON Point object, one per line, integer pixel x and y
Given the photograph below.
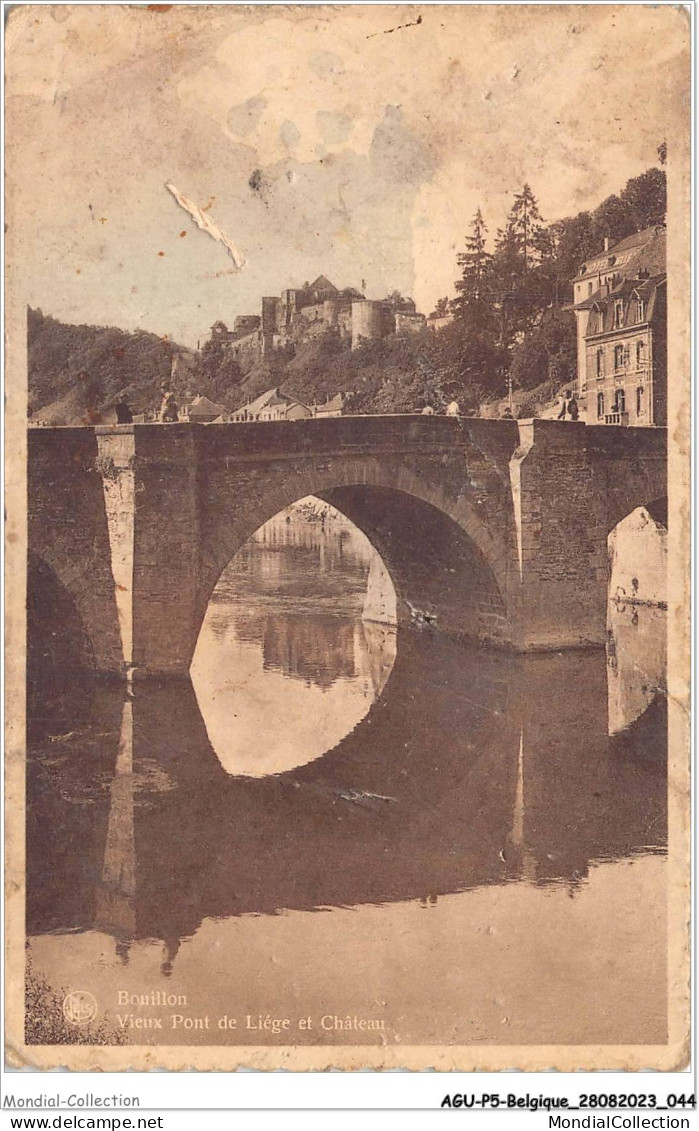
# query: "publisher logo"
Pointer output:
{"type": "Point", "coordinates": [79, 1007]}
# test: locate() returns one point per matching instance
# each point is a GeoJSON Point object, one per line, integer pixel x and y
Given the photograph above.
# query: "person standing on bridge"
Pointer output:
{"type": "Point", "coordinates": [124, 415]}
{"type": "Point", "coordinates": [569, 407]}
{"type": "Point", "coordinates": [169, 412]}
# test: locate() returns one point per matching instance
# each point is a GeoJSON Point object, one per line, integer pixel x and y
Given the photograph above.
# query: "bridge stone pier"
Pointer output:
{"type": "Point", "coordinates": [495, 531]}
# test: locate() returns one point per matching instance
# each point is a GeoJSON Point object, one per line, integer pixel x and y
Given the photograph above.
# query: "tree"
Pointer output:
{"type": "Point", "coordinates": [522, 267]}
{"type": "Point", "coordinates": [211, 358]}
{"type": "Point", "coordinates": [547, 353]}
{"type": "Point", "coordinates": [468, 361]}
{"type": "Point", "coordinates": [525, 231]}
{"type": "Point", "coordinates": [468, 357]}
{"type": "Point", "coordinates": [441, 309]}
{"type": "Point", "coordinates": [574, 240]}
{"type": "Point", "coordinates": [613, 220]}
{"type": "Point", "coordinates": [472, 303]}
{"type": "Point", "coordinates": [645, 197]}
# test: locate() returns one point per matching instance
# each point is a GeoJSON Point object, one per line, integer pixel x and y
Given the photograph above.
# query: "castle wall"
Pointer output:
{"type": "Point", "coordinates": [247, 350]}
{"type": "Point", "coordinates": [409, 323]}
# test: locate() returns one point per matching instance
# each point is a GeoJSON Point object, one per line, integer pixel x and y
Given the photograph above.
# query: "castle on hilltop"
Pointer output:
{"type": "Point", "coordinates": [302, 314]}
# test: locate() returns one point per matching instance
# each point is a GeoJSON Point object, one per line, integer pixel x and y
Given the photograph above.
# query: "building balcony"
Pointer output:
{"type": "Point", "coordinates": [616, 418]}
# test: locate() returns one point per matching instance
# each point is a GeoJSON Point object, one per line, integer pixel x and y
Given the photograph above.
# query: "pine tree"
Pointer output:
{"type": "Point", "coordinates": [473, 290]}
{"type": "Point", "coordinates": [471, 347]}
{"type": "Point", "coordinates": [525, 230]}
{"type": "Point", "coordinates": [522, 266]}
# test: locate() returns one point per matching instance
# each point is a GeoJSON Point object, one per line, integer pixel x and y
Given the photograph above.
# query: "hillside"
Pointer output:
{"type": "Point", "coordinates": [77, 372]}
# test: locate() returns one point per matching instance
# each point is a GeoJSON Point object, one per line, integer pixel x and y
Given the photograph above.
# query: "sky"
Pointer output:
{"type": "Point", "coordinates": [350, 141]}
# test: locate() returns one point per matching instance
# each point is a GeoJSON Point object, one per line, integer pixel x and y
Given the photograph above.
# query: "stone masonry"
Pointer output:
{"type": "Point", "coordinates": [495, 531]}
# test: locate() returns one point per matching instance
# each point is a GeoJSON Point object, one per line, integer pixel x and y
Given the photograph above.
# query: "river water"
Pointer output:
{"type": "Point", "coordinates": [378, 837]}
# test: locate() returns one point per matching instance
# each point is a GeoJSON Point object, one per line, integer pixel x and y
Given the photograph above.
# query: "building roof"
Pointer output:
{"type": "Point", "coordinates": [259, 403]}
{"type": "Point", "coordinates": [271, 399]}
{"type": "Point", "coordinates": [322, 284]}
{"type": "Point", "coordinates": [283, 399]}
{"type": "Point", "coordinates": [623, 289]}
{"type": "Point", "coordinates": [605, 324]}
{"type": "Point", "coordinates": [333, 404]}
{"type": "Point", "coordinates": [280, 398]}
{"type": "Point", "coordinates": [644, 249]}
{"type": "Point", "coordinates": [202, 406]}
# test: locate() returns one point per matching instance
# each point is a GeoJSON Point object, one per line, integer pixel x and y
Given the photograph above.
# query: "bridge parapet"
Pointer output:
{"type": "Point", "coordinates": [288, 439]}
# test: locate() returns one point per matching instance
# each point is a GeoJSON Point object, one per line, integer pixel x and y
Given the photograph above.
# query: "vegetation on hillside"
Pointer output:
{"type": "Point", "coordinates": [510, 321]}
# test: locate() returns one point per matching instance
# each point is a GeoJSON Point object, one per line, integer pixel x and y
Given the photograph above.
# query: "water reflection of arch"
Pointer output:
{"type": "Point", "coordinates": [636, 613]}
{"type": "Point", "coordinates": [469, 781]}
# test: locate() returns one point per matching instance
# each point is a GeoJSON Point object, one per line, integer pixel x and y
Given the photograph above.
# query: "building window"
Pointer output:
{"type": "Point", "coordinates": [640, 310]}
{"type": "Point", "coordinates": [600, 404]}
{"type": "Point", "coordinates": [589, 289]}
{"type": "Point", "coordinates": [618, 313]}
{"type": "Point", "coordinates": [639, 401]}
{"type": "Point", "coordinates": [619, 401]}
{"type": "Point", "coordinates": [618, 357]}
{"type": "Point", "coordinates": [600, 363]}
{"type": "Point", "coordinates": [640, 354]}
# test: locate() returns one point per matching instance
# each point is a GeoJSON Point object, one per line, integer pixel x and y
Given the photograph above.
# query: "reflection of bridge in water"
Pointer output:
{"type": "Point", "coordinates": [471, 769]}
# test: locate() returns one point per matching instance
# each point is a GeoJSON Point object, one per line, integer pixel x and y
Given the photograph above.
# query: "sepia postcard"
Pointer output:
{"type": "Point", "coordinates": [348, 480]}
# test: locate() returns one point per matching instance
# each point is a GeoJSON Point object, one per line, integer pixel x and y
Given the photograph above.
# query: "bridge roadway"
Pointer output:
{"type": "Point", "coordinates": [495, 531]}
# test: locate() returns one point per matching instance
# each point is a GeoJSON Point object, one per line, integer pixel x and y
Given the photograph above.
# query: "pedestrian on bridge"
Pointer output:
{"type": "Point", "coordinates": [124, 415]}
{"type": "Point", "coordinates": [169, 411]}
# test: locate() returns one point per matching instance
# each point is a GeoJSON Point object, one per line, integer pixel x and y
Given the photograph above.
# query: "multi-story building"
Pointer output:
{"type": "Point", "coordinates": [621, 310]}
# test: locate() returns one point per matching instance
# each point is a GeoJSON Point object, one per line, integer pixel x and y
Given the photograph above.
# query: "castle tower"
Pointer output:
{"type": "Point", "coordinates": [367, 322]}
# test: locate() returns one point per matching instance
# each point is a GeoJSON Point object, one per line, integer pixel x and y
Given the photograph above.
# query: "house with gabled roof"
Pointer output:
{"type": "Point", "coordinates": [271, 405]}
{"type": "Point", "coordinates": [201, 410]}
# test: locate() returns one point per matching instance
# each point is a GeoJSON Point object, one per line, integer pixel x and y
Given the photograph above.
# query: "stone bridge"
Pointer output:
{"type": "Point", "coordinates": [495, 531]}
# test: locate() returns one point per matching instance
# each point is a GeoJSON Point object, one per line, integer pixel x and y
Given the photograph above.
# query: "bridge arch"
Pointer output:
{"type": "Point", "coordinates": [233, 517]}
{"type": "Point", "coordinates": [446, 567]}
